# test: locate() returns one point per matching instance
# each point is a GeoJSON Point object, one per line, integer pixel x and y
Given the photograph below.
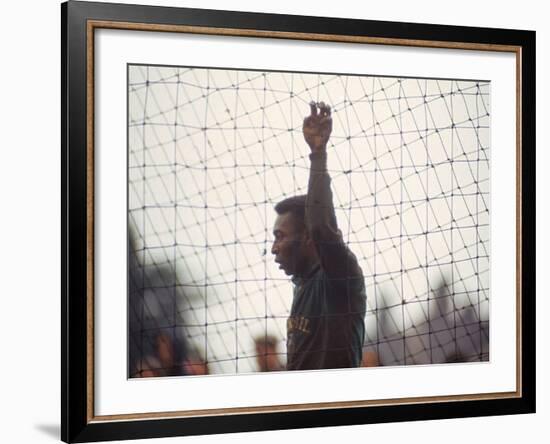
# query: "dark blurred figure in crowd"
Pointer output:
{"type": "Point", "coordinates": [370, 359]}
{"type": "Point", "coordinates": [165, 362]}
{"type": "Point", "coordinates": [194, 364]}
{"type": "Point", "coordinates": [267, 357]}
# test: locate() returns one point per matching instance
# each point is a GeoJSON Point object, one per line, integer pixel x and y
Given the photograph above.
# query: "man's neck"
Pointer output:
{"type": "Point", "coordinates": [306, 273]}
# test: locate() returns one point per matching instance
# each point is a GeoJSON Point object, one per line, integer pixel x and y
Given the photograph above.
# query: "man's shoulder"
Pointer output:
{"type": "Point", "coordinates": [355, 277]}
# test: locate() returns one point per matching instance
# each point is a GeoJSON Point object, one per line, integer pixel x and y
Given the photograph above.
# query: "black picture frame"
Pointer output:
{"type": "Point", "coordinates": [78, 423]}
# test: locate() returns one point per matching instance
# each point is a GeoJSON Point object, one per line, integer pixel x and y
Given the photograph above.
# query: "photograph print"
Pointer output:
{"type": "Point", "coordinates": [299, 221]}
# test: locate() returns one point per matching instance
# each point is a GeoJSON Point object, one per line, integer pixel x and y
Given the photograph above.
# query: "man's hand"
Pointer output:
{"type": "Point", "coordinates": [317, 127]}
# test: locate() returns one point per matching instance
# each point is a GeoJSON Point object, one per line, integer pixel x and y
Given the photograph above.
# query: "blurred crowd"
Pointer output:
{"type": "Point", "coordinates": [163, 361]}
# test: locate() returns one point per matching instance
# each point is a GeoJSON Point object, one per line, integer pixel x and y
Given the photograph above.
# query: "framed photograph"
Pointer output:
{"type": "Point", "coordinates": [275, 221]}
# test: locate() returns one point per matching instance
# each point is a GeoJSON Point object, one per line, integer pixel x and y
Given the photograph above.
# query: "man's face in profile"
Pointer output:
{"type": "Point", "coordinates": [288, 244]}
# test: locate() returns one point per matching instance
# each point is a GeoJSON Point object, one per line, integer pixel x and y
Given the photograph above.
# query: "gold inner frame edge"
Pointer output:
{"type": "Point", "coordinates": [121, 25]}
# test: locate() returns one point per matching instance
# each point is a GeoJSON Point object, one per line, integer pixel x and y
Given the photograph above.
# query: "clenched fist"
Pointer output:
{"type": "Point", "coordinates": [317, 127]}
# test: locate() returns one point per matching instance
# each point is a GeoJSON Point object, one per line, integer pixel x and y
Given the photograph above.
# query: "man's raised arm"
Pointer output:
{"type": "Point", "coordinates": [335, 258]}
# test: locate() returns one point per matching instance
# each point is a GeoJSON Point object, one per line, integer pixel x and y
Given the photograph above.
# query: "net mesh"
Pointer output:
{"type": "Point", "coordinates": [211, 151]}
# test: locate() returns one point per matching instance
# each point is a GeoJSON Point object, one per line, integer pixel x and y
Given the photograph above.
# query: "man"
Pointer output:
{"type": "Point", "coordinates": [326, 324]}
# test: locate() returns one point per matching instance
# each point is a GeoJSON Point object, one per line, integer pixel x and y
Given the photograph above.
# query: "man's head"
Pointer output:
{"type": "Point", "coordinates": [293, 248]}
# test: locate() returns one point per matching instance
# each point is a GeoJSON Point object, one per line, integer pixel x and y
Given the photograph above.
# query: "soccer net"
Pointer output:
{"type": "Point", "coordinates": [211, 151]}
